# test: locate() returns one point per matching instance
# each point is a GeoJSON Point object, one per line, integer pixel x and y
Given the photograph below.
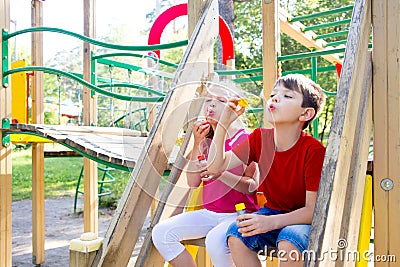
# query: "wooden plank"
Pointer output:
{"type": "Point", "coordinates": [271, 48]}
{"type": "Point", "coordinates": [122, 153]}
{"type": "Point", "coordinates": [133, 207]}
{"type": "Point", "coordinates": [5, 159]}
{"type": "Point", "coordinates": [118, 146]}
{"type": "Point", "coordinates": [173, 200]}
{"type": "Point", "coordinates": [293, 29]}
{"type": "Point", "coordinates": [342, 159]}
{"type": "Point", "coordinates": [149, 255]}
{"type": "Point", "coordinates": [381, 125]}
{"type": "Point", "coordinates": [75, 130]}
{"type": "Point", "coordinates": [351, 223]}
{"type": "Point", "coordinates": [393, 130]}
{"type": "Point", "coordinates": [38, 256]}
{"type": "Point", "coordinates": [90, 211]}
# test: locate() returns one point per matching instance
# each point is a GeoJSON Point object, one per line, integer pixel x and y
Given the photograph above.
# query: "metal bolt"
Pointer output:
{"type": "Point", "coordinates": [387, 184]}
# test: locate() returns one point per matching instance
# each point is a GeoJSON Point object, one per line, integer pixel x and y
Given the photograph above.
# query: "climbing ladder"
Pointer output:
{"type": "Point", "coordinates": [106, 178]}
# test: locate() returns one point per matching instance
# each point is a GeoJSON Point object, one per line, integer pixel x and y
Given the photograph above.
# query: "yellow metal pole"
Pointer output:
{"type": "Point", "coordinates": [365, 224]}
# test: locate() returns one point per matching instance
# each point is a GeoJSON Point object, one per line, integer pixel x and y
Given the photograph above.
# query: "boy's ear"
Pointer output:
{"type": "Point", "coordinates": [307, 114]}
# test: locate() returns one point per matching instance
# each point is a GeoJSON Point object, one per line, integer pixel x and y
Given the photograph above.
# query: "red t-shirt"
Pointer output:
{"type": "Point", "coordinates": [286, 175]}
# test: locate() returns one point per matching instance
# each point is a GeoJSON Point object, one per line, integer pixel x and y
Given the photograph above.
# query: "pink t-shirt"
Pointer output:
{"type": "Point", "coordinates": [219, 197]}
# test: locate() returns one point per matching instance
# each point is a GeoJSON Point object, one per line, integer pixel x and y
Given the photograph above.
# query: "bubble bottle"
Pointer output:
{"type": "Point", "coordinates": [240, 208]}
{"type": "Point", "coordinates": [202, 160]}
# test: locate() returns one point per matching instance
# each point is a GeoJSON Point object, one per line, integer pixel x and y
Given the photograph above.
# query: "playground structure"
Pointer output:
{"type": "Point", "coordinates": [338, 210]}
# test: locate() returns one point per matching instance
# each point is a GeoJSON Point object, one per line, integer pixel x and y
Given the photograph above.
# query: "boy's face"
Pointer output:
{"type": "Point", "coordinates": [284, 106]}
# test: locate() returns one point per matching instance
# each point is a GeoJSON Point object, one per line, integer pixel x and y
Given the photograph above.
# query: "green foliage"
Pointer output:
{"type": "Point", "coordinates": [248, 43]}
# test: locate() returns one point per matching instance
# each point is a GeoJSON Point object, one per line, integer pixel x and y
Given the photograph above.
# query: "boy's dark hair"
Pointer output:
{"type": "Point", "coordinates": [313, 96]}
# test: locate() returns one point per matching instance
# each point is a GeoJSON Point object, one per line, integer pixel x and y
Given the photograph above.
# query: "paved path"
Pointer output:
{"type": "Point", "coordinates": [61, 225]}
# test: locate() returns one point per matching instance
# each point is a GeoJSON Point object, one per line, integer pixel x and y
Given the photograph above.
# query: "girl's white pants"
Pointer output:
{"type": "Point", "coordinates": [167, 234]}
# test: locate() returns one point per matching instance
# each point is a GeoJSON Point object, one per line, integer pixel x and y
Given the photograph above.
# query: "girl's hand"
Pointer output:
{"type": "Point", "coordinates": [200, 130]}
{"type": "Point", "coordinates": [231, 112]}
{"type": "Point", "coordinates": [207, 176]}
{"type": "Point", "coordinates": [253, 224]}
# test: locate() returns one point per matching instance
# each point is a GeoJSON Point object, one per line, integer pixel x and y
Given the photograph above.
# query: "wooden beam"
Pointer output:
{"type": "Point", "coordinates": [344, 164]}
{"type": "Point", "coordinates": [194, 11]}
{"type": "Point", "coordinates": [176, 192]}
{"type": "Point", "coordinates": [133, 207]}
{"type": "Point", "coordinates": [271, 48]}
{"type": "Point", "coordinates": [386, 93]}
{"type": "Point", "coordinates": [350, 230]}
{"type": "Point", "coordinates": [90, 198]}
{"type": "Point", "coordinates": [5, 157]}
{"type": "Point", "coordinates": [38, 256]}
{"type": "Point", "coordinates": [293, 29]}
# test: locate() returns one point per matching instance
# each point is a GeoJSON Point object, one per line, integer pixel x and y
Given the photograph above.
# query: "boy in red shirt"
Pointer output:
{"type": "Point", "coordinates": [290, 163]}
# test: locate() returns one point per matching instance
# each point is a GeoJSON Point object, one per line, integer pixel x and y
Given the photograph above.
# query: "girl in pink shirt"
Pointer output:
{"type": "Point", "coordinates": [221, 191]}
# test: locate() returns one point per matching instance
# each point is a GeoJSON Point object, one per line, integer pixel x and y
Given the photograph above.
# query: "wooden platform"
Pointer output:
{"type": "Point", "coordinates": [108, 145]}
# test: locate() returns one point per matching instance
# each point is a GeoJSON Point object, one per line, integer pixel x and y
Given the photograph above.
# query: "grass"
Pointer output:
{"type": "Point", "coordinates": [61, 176]}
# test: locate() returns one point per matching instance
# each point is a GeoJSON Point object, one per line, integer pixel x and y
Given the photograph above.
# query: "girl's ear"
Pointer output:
{"type": "Point", "coordinates": [307, 114]}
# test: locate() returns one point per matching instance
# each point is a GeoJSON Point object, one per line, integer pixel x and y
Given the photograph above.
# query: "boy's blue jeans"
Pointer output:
{"type": "Point", "coordinates": [295, 234]}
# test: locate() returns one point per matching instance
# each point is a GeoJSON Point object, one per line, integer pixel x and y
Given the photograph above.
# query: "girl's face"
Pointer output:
{"type": "Point", "coordinates": [214, 106]}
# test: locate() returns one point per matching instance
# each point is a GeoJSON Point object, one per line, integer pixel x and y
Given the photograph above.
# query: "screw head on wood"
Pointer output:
{"type": "Point", "coordinates": [387, 184]}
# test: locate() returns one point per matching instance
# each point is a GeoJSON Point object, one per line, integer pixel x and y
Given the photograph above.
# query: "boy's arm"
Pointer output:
{"type": "Point", "coordinates": [252, 224]}
{"type": "Point", "coordinates": [218, 159]}
{"type": "Point", "coordinates": [247, 184]}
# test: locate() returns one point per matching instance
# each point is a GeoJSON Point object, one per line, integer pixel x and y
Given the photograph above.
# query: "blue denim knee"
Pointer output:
{"type": "Point", "coordinates": [295, 234]}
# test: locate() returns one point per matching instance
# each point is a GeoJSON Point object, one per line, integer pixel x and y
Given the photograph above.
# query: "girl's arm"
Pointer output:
{"type": "Point", "coordinates": [252, 224]}
{"type": "Point", "coordinates": [248, 183]}
{"type": "Point", "coordinates": [193, 170]}
{"type": "Point", "coordinates": [200, 131]}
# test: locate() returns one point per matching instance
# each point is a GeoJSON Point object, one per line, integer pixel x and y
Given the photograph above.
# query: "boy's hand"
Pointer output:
{"type": "Point", "coordinates": [231, 112]}
{"type": "Point", "coordinates": [252, 224]}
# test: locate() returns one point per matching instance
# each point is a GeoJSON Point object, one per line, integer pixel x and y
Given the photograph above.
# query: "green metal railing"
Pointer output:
{"type": "Point", "coordinates": [331, 34]}
{"type": "Point", "coordinates": [87, 84]}
{"type": "Point", "coordinates": [127, 66]}
{"type": "Point", "coordinates": [7, 36]}
{"type": "Point", "coordinates": [162, 62]}
{"type": "Point", "coordinates": [321, 14]}
{"type": "Point", "coordinates": [132, 85]}
{"type": "Point", "coordinates": [326, 25]}
{"type": "Point", "coordinates": [142, 119]}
